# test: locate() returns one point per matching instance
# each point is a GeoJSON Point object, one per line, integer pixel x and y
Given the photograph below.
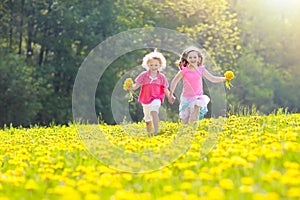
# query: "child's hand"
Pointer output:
{"type": "Point", "coordinates": [171, 99]}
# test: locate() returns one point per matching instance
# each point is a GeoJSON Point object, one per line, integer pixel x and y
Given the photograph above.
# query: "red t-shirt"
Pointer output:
{"type": "Point", "coordinates": [151, 88]}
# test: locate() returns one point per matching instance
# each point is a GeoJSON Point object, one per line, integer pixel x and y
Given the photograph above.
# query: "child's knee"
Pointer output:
{"type": "Point", "coordinates": [195, 110]}
{"type": "Point", "coordinates": [154, 113]}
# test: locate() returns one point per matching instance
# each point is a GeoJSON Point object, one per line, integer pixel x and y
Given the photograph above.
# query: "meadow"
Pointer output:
{"type": "Point", "coordinates": [238, 157]}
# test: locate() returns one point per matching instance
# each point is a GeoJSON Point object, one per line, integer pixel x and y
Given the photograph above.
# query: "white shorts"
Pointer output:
{"type": "Point", "coordinates": [148, 108]}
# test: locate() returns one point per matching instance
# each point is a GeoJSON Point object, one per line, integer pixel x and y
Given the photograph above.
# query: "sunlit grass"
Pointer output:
{"type": "Point", "coordinates": [252, 157]}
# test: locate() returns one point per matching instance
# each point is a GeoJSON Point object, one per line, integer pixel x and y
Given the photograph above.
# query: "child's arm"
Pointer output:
{"type": "Point", "coordinates": [167, 92]}
{"type": "Point", "coordinates": [174, 82]}
{"type": "Point", "coordinates": [212, 78]}
{"type": "Point", "coordinates": [135, 86]}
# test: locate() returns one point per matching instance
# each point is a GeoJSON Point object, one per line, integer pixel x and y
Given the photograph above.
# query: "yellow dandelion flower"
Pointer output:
{"type": "Point", "coordinates": [127, 84]}
{"type": "Point", "coordinates": [84, 157]}
{"type": "Point", "coordinates": [246, 189]}
{"type": "Point", "coordinates": [205, 176]}
{"type": "Point", "coordinates": [186, 186]}
{"type": "Point", "coordinates": [70, 182]}
{"type": "Point", "coordinates": [31, 185]}
{"type": "Point", "coordinates": [124, 195]}
{"type": "Point", "coordinates": [289, 180]}
{"type": "Point", "coordinates": [127, 176]}
{"type": "Point", "coordinates": [247, 180]}
{"type": "Point", "coordinates": [273, 196]}
{"type": "Point", "coordinates": [215, 171]}
{"type": "Point", "coordinates": [226, 184]}
{"type": "Point", "coordinates": [189, 175]}
{"type": "Point", "coordinates": [215, 193]}
{"type": "Point", "coordinates": [87, 188]}
{"type": "Point", "coordinates": [74, 195]}
{"type": "Point", "coordinates": [291, 165]}
{"type": "Point", "coordinates": [175, 195]}
{"type": "Point", "coordinates": [91, 197]}
{"type": "Point", "coordinates": [228, 75]}
{"type": "Point", "coordinates": [271, 176]}
{"type": "Point", "coordinates": [167, 188]}
{"type": "Point", "coordinates": [294, 192]}
{"type": "Point", "coordinates": [270, 195]}
{"type": "Point", "coordinates": [193, 197]}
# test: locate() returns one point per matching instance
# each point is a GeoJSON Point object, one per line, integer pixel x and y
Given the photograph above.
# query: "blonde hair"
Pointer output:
{"type": "Point", "coordinates": [154, 55]}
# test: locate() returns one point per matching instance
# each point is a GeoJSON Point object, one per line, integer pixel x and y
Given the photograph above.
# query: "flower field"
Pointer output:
{"type": "Point", "coordinates": [251, 157]}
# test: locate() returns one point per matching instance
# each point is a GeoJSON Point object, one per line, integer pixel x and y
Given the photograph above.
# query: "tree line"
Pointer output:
{"type": "Point", "coordinates": [43, 44]}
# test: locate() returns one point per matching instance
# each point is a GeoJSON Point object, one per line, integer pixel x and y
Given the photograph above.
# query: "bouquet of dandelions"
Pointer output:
{"type": "Point", "coordinates": [228, 75]}
{"type": "Point", "coordinates": [126, 86]}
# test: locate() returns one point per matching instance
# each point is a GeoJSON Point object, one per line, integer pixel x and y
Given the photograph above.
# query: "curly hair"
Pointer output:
{"type": "Point", "coordinates": [154, 55]}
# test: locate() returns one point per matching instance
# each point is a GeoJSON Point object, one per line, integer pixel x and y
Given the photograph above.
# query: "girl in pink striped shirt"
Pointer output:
{"type": "Point", "coordinates": [192, 99]}
{"type": "Point", "coordinates": [154, 87]}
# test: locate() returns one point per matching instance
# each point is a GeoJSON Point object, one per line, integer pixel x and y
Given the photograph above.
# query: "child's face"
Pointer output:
{"type": "Point", "coordinates": [193, 58]}
{"type": "Point", "coordinates": [154, 64]}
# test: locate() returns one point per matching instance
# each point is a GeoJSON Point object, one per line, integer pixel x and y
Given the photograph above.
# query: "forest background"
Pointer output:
{"type": "Point", "coordinates": [44, 42]}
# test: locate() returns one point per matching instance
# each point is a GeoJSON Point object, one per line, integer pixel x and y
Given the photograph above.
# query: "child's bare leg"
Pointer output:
{"type": "Point", "coordinates": [149, 126]}
{"type": "Point", "coordinates": [185, 120]}
{"type": "Point", "coordinates": [195, 112]}
{"type": "Point", "coordinates": [155, 120]}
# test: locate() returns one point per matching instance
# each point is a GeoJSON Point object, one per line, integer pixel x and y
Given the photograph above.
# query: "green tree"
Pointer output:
{"type": "Point", "coordinates": [268, 32]}
{"type": "Point", "coordinates": [20, 89]}
{"type": "Point", "coordinates": [254, 85]}
{"type": "Point", "coordinates": [54, 37]}
{"type": "Point", "coordinates": [212, 23]}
